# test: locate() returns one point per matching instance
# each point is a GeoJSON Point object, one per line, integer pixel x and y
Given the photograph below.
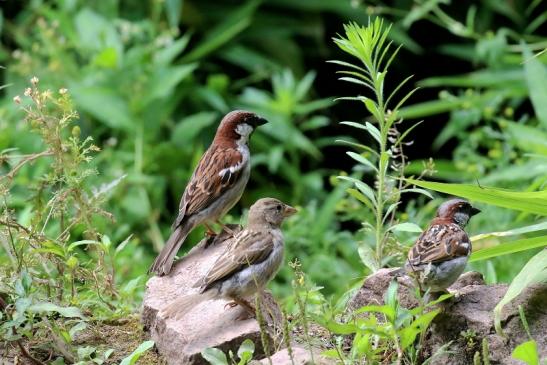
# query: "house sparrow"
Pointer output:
{"type": "Point", "coordinates": [250, 261]}
{"type": "Point", "coordinates": [440, 254]}
{"type": "Point", "coordinates": [216, 184]}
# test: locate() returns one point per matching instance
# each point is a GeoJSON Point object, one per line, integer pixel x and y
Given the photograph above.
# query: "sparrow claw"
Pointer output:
{"type": "Point", "coordinates": [226, 229]}
{"type": "Point", "coordinates": [230, 304]}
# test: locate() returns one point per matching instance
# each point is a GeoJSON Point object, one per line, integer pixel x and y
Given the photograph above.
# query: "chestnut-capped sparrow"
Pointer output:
{"type": "Point", "coordinates": [440, 254]}
{"type": "Point", "coordinates": [216, 184]}
{"type": "Point", "coordinates": [250, 261]}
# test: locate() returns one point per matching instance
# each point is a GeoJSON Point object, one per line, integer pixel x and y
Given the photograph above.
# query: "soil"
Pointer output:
{"type": "Point", "coordinates": [123, 336]}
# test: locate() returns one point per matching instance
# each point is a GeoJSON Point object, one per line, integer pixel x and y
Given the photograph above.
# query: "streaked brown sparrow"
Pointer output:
{"type": "Point", "coordinates": [250, 261]}
{"type": "Point", "coordinates": [216, 184]}
{"type": "Point", "coordinates": [440, 254]}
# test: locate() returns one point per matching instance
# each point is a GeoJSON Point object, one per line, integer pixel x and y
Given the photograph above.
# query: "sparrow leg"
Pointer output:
{"type": "Point", "coordinates": [226, 228]}
{"type": "Point", "coordinates": [210, 232]}
{"type": "Point", "coordinates": [251, 311]}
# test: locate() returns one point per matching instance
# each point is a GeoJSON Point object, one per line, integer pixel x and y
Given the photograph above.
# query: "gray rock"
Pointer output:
{"type": "Point", "coordinates": [300, 356]}
{"type": "Point", "coordinates": [209, 324]}
{"type": "Point", "coordinates": [468, 318]}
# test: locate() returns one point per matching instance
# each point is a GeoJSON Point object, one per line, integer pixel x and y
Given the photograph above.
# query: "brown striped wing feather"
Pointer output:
{"type": "Point", "coordinates": [438, 243]}
{"type": "Point", "coordinates": [207, 183]}
{"type": "Point", "coordinates": [249, 247]}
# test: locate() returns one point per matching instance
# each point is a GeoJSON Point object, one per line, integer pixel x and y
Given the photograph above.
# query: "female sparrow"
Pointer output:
{"type": "Point", "coordinates": [216, 184]}
{"type": "Point", "coordinates": [440, 254]}
{"type": "Point", "coordinates": [250, 261]}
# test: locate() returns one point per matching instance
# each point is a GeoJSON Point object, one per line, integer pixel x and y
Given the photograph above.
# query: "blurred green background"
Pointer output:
{"type": "Point", "coordinates": [152, 79]}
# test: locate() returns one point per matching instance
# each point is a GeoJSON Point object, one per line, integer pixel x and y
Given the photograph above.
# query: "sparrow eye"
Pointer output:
{"type": "Point", "coordinates": [278, 207]}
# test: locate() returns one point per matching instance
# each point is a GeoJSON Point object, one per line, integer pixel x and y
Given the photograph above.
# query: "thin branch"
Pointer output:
{"type": "Point", "coordinates": [28, 158]}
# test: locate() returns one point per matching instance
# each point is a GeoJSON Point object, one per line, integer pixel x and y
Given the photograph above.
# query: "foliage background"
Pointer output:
{"type": "Point", "coordinates": [151, 80]}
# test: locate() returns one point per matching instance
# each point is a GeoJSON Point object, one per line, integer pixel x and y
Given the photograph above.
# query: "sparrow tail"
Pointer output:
{"type": "Point", "coordinates": [163, 263]}
{"type": "Point", "coordinates": [180, 306]}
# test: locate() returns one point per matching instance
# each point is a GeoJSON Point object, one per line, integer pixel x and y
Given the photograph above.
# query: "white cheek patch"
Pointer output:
{"type": "Point", "coordinates": [244, 130]}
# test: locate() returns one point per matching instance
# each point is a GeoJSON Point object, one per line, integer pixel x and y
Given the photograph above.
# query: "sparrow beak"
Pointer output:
{"type": "Point", "coordinates": [289, 211]}
{"type": "Point", "coordinates": [257, 121]}
{"type": "Point", "coordinates": [474, 211]}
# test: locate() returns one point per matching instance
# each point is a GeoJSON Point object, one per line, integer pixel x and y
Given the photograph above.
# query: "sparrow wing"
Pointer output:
{"type": "Point", "coordinates": [249, 247]}
{"type": "Point", "coordinates": [438, 243]}
{"type": "Point", "coordinates": [217, 171]}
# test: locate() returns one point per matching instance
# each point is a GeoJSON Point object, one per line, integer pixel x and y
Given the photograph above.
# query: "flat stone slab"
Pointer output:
{"type": "Point", "coordinates": [208, 324]}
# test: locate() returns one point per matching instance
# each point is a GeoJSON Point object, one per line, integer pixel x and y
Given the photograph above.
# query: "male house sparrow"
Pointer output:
{"type": "Point", "coordinates": [440, 254]}
{"type": "Point", "coordinates": [216, 184]}
{"type": "Point", "coordinates": [250, 261]}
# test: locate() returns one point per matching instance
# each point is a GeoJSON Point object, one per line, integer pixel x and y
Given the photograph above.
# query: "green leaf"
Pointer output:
{"type": "Point", "coordinates": [527, 352]}
{"type": "Point", "coordinates": [104, 104]}
{"type": "Point", "coordinates": [68, 312]}
{"type": "Point", "coordinates": [368, 257]}
{"type": "Point", "coordinates": [512, 232]}
{"type": "Point", "coordinates": [509, 247]}
{"type": "Point", "coordinates": [214, 356]}
{"type": "Point", "coordinates": [535, 271]}
{"type": "Point", "coordinates": [73, 245]}
{"type": "Point", "coordinates": [135, 355]}
{"type": "Point", "coordinates": [374, 132]}
{"type": "Point", "coordinates": [164, 80]}
{"type": "Point", "coordinates": [531, 202]}
{"type": "Point", "coordinates": [165, 56]}
{"type": "Point", "coordinates": [359, 158]}
{"type": "Point", "coordinates": [189, 127]}
{"type": "Point", "coordinates": [173, 10]}
{"type": "Point", "coordinates": [363, 188]}
{"type": "Point", "coordinates": [388, 311]}
{"type": "Point", "coordinates": [405, 227]}
{"type": "Point", "coordinates": [536, 79]}
{"type": "Point", "coordinates": [246, 351]}
{"type": "Point", "coordinates": [408, 334]}
{"type": "Point", "coordinates": [234, 23]}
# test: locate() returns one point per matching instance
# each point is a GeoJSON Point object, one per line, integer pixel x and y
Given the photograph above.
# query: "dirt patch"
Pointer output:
{"type": "Point", "coordinates": [123, 336]}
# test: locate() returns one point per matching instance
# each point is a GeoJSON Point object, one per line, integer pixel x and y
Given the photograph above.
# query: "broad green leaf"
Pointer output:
{"type": "Point", "coordinates": [536, 79]}
{"type": "Point", "coordinates": [483, 78]}
{"type": "Point", "coordinates": [405, 227]}
{"type": "Point", "coordinates": [104, 104]}
{"type": "Point", "coordinates": [189, 127]}
{"type": "Point", "coordinates": [69, 312]}
{"type": "Point", "coordinates": [408, 334]}
{"type": "Point", "coordinates": [246, 351]}
{"type": "Point", "coordinates": [384, 309]}
{"type": "Point", "coordinates": [135, 355]}
{"type": "Point", "coordinates": [368, 257]}
{"type": "Point", "coordinates": [165, 56]}
{"type": "Point", "coordinates": [512, 232]}
{"type": "Point", "coordinates": [419, 191]}
{"type": "Point", "coordinates": [214, 356]}
{"type": "Point", "coordinates": [530, 202]}
{"type": "Point", "coordinates": [535, 271]}
{"type": "Point", "coordinates": [528, 138]}
{"type": "Point", "coordinates": [173, 10]}
{"type": "Point", "coordinates": [234, 23]}
{"type": "Point", "coordinates": [164, 80]}
{"type": "Point", "coordinates": [336, 327]}
{"type": "Point", "coordinates": [508, 247]}
{"type": "Point", "coordinates": [527, 352]}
